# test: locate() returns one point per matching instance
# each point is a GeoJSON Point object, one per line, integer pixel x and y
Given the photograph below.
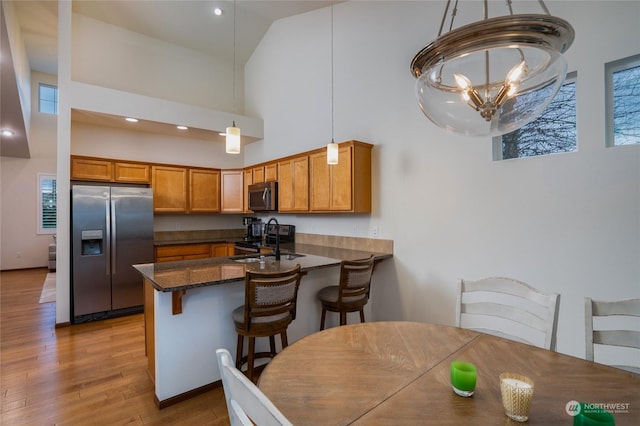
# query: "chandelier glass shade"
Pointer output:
{"type": "Point", "coordinates": [492, 76]}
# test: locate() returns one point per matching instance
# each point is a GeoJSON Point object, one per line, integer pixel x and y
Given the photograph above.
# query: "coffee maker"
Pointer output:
{"type": "Point", "coordinates": [254, 228]}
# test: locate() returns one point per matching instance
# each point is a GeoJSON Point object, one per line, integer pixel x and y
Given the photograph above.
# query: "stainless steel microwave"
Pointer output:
{"type": "Point", "coordinates": [263, 197]}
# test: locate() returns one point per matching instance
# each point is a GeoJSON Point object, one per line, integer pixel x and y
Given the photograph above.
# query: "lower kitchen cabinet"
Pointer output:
{"type": "Point", "coordinates": [174, 252]}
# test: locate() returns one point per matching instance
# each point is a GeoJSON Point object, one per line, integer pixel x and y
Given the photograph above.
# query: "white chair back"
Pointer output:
{"type": "Point", "coordinates": [604, 323]}
{"type": "Point", "coordinates": [247, 405]}
{"type": "Point", "coordinates": [508, 308]}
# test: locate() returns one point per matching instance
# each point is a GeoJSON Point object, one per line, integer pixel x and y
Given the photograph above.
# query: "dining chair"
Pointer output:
{"type": "Point", "coordinates": [246, 403]}
{"type": "Point", "coordinates": [352, 292]}
{"type": "Point", "coordinates": [269, 307]}
{"type": "Point", "coordinates": [508, 308]}
{"type": "Point", "coordinates": [603, 323]}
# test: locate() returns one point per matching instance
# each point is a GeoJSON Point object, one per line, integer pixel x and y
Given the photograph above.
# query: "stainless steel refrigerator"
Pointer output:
{"type": "Point", "coordinates": [111, 230]}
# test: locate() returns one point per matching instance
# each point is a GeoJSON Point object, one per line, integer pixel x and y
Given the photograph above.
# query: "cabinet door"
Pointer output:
{"type": "Point", "coordinates": [342, 182]}
{"type": "Point", "coordinates": [204, 191]}
{"type": "Point", "coordinates": [271, 172]}
{"type": "Point", "coordinates": [232, 199]}
{"type": "Point", "coordinates": [258, 174]}
{"type": "Point", "coordinates": [219, 250]}
{"type": "Point", "coordinates": [320, 182]}
{"type": "Point", "coordinates": [293, 184]}
{"type": "Point", "coordinates": [88, 169]}
{"type": "Point", "coordinates": [169, 189]}
{"type": "Point", "coordinates": [248, 180]}
{"type": "Point", "coordinates": [132, 172]}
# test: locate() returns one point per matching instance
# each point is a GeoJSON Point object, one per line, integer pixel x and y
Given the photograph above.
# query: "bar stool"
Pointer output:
{"type": "Point", "coordinates": [352, 293]}
{"type": "Point", "coordinates": [270, 306]}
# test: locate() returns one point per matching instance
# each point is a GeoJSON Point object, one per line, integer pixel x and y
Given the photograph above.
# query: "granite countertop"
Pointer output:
{"type": "Point", "coordinates": [186, 274]}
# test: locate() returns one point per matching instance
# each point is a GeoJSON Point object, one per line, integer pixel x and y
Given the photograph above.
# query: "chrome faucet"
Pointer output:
{"type": "Point", "coordinates": [277, 236]}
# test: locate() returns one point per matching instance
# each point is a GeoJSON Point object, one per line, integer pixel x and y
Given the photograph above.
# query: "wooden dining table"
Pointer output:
{"type": "Point", "coordinates": [397, 373]}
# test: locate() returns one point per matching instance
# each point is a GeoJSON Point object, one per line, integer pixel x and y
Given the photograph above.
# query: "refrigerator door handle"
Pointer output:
{"type": "Point", "coordinates": [113, 236]}
{"type": "Point", "coordinates": [108, 235]}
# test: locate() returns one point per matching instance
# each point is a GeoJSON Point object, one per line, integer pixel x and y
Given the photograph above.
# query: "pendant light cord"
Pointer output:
{"type": "Point", "coordinates": [234, 61]}
{"type": "Point", "coordinates": [332, 113]}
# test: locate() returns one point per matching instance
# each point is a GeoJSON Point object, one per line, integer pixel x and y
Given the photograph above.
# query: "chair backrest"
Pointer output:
{"type": "Point", "coordinates": [355, 281]}
{"type": "Point", "coordinates": [603, 323]}
{"type": "Point", "coordinates": [508, 308]}
{"type": "Point", "coordinates": [245, 401]}
{"type": "Point", "coordinates": [271, 294]}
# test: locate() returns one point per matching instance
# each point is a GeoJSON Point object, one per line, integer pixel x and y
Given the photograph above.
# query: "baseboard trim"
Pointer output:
{"type": "Point", "coordinates": [187, 395]}
{"type": "Point", "coordinates": [63, 324]}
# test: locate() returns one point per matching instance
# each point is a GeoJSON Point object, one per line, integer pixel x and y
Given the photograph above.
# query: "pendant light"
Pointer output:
{"type": "Point", "coordinates": [232, 143]}
{"type": "Point", "coordinates": [492, 76]}
{"type": "Point", "coordinates": [332, 148]}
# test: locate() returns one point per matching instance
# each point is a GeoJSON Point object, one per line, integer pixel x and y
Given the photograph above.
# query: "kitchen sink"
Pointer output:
{"type": "Point", "coordinates": [252, 258]}
{"type": "Point", "coordinates": [247, 260]}
{"type": "Point", "coordinates": [291, 256]}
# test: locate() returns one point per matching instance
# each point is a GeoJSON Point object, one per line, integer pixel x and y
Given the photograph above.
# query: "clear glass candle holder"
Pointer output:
{"type": "Point", "coordinates": [517, 393]}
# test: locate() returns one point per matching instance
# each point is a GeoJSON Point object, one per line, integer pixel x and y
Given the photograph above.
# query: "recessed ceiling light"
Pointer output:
{"type": "Point", "coordinates": [182, 127]}
{"type": "Point", "coordinates": [7, 133]}
{"type": "Point", "coordinates": [131, 119]}
{"type": "Point", "coordinates": [217, 11]}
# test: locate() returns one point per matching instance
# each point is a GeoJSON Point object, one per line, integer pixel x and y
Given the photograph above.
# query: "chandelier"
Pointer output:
{"type": "Point", "coordinates": [492, 76]}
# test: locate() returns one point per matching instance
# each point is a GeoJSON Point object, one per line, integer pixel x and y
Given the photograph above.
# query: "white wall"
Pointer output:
{"type": "Point", "coordinates": [564, 223]}
{"type": "Point", "coordinates": [109, 56]}
{"type": "Point", "coordinates": [21, 245]}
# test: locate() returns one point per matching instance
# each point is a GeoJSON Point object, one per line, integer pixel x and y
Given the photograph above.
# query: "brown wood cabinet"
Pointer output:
{"type": "Point", "coordinates": [271, 172]}
{"type": "Point", "coordinates": [131, 172]}
{"type": "Point", "coordinates": [247, 180]}
{"type": "Point", "coordinates": [344, 187]}
{"type": "Point", "coordinates": [170, 190]}
{"type": "Point", "coordinates": [293, 184]}
{"type": "Point", "coordinates": [173, 252]}
{"type": "Point", "coordinates": [105, 170]}
{"type": "Point", "coordinates": [204, 191]}
{"type": "Point", "coordinates": [91, 169]}
{"type": "Point", "coordinates": [232, 200]}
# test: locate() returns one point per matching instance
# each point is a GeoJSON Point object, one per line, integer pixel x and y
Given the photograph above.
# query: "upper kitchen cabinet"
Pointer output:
{"type": "Point", "coordinates": [271, 172]}
{"type": "Point", "coordinates": [131, 172]}
{"type": "Point", "coordinates": [170, 189]}
{"type": "Point", "coordinates": [105, 170]}
{"type": "Point", "coordinates": [265, 173]}
{"type": "Point", "coordinates": [248, 180]}
{"type": "Point", "coordinates": [91, 169]}
{"type": "Point", "coordinates": [344, 187]}
{"type": "Point", "coordinates": [232, 200]}
{"type": "Point", "coordinates": [204, 191]}
{"type": "Point", "coordinates": [293, 184]}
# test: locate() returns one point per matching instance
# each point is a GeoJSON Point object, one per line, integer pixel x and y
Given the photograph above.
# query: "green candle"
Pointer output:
{"type": "Point", "coordinates": [463, 378]}
{"type": "Point", "coordinates": [592, 415]}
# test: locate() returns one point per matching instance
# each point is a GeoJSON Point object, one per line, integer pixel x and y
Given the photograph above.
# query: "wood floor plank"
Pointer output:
{"type": "Point", "coordinates": [93, 373]}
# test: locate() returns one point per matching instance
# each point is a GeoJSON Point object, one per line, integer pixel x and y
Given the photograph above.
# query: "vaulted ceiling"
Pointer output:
{"type": "Point", "coordinates": [188, 23]}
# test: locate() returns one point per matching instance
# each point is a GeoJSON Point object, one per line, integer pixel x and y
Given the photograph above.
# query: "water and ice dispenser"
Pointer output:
{"type": "Point", "coordinates": [92, 242]}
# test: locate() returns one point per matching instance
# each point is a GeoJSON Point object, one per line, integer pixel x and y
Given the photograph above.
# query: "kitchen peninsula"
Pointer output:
{"type": "Point", "coordinates": [188, 307]}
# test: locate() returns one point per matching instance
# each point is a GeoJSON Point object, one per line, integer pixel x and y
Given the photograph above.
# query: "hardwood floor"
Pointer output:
{"type": "Point", "coordinates": [93, 373]}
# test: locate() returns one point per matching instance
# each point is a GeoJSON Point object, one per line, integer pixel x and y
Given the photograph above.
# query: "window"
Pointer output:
{"type": "Point", "coordinates": [622, 85]}
{"type": "Point", "coordinates": [554, 131]}
{"type": "Point", "coordinates": [48, 96]}
{"type": "Point", "coordinates": [47, 203]}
